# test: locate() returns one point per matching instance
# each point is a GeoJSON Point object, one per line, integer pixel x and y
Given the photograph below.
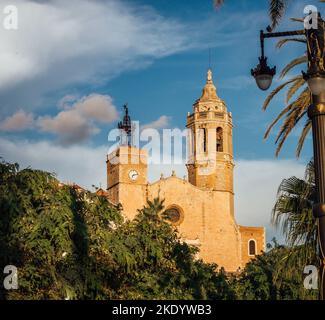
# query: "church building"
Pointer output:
{"type": "Point", "coordinates": [202, 206]}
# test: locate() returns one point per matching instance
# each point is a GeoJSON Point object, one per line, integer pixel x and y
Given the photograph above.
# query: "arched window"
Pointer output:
{"type": "Point", "coordinates": [219, 139]}
{"type": "Point", "coordinates": [205, 140]}
{"type": "Point", "coordinates": [200, 140]}
{"type": "Point", "coordinates": [252, 247]}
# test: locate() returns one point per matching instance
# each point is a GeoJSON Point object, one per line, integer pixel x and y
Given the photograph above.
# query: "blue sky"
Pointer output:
{"type": "Point", "coordinates": [153, 55]}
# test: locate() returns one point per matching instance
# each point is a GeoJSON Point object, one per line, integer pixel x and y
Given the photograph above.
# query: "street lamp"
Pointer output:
{"type": "Point", "coordinates": [263, 74]}
{"type": "Point", "coordinates": [316, 85]}
{"type": "Point", "coordinates": [315, 78]}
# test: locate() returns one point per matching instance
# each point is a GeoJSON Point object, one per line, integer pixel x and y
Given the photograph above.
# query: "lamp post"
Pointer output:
{"type": "Point", "coordinates": [315, 78]}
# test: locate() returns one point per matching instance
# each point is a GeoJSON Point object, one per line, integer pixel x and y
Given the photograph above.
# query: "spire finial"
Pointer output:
{"type": "Point", "coordinates": [209, 76]}
{"type": "Point", "coordinates": [209, 90]}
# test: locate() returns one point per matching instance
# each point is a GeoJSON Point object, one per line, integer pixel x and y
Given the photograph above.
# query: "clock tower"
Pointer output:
{"type": "Point", "coordinates": [126, 169]}
{"type": "Point", "coordinates": [210, 164]}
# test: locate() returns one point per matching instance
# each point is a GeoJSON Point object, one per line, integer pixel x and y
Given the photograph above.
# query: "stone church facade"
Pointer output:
{"type": "Point", "coordinates": [202, 206]}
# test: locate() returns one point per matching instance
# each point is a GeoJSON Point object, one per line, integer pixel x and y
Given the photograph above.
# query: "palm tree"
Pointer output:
{"type": "Point", "coordinates": [293, 212]}
{"type": "Point", "coordinates": [152, 211]}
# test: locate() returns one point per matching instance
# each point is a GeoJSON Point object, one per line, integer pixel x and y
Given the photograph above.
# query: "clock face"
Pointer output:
{"type": "Point", "coordinates": [133, 175]}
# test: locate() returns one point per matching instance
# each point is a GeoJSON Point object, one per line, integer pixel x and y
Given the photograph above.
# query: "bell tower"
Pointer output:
{"type": "Point", "coordinates": [126, 169]}
{"type": "Point", "coordinates": [210, 163]}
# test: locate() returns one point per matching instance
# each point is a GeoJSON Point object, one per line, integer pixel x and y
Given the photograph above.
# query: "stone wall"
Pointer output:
{"type": "Point", "coordinates": [207, 219]}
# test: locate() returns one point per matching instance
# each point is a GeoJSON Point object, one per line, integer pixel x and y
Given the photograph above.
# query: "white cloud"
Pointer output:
{"type": "Point", "coordinates": [256, 185]}
{"type": "Point", "coordinates": [256, 181]}
{"type": "Point", "coordinates": [19, 121]}
{"type": "Point", "coordinates": [70, 127]}
{"type": "Point", "coordinates": [66, 43]}
{"type": "Point", "coordinates": [62, 42]}
{"type": "Point", "coordinates": [74, 124]}
{"type": "Point", "coordinates": [77, 164]}
{"type": "Point", "coordinates": [161, 123]}
{"type": "Point", "coordinates": [97, 107]}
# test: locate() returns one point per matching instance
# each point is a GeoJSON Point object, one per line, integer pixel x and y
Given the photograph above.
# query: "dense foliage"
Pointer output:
{"type": "Point", "coordinates": [57, 237]}
{"type": "Point", "coordinates": [272, 276]}
{"type": "Point", "coordinates": [71, 244]}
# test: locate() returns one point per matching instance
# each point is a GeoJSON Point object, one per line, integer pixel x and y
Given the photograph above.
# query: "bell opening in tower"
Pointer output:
{"type": "Point", "coordinates": [219, 139]}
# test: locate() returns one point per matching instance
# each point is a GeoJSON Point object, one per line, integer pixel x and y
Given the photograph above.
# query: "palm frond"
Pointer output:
{"type": "Point", "coordinates": [294, 88]}
{"type": "Point", "coordinates": [299, 108]}
{"type": "Point", "coordinates": [302, 137]}
{"type": "Point", "coordinates": [292, 64]}
{"type": "Point", "coordinates": [297, 19]}
{"type": "Point", "coordinates": [276, 91]}
{"type": "Point", "coordinates": [276, 11]}
{"type": "Point", "coordinates": [297, 111]}
{"type": "Point", "coordinates": [284, 41]}
{"type": "Point", "coordinates": [274, 122]}
{"type": "Point", "coordinates": [286, 129]}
